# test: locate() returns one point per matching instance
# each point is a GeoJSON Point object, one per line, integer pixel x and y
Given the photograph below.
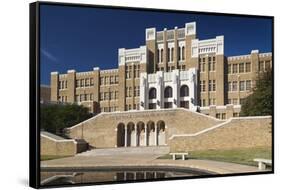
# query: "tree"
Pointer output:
{"type": "Point", "coordinates": [54, 118]}
{"type": "Point", "coordinates": [259, 103]}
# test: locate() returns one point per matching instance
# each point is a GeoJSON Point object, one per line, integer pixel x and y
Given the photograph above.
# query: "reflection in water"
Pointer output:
{"type": "Point", "coordinates": [69, 177]}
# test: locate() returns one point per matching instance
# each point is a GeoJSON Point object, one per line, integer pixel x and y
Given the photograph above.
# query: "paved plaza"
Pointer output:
{"type": "Point", "coordinates": [140, 157]}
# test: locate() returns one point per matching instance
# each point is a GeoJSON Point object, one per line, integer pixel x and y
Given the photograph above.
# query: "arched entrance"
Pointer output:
{"type": "Point", "coordinates": [141, 134]}
{"type": "Point", "coordinates": [120, 135]}
{"type": "Point", "coordinates": [151, 138]}
{"type": "Point", "coordinates": [161, 133]}
{"type": "Point", "coordinates": [131, 133]}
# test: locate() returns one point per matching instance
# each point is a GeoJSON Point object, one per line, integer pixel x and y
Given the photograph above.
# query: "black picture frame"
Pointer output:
{"type": "Point", "coordinates": [34, 91]}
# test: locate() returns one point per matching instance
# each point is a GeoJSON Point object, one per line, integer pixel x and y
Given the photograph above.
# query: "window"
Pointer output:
{"type": "Point", "coordinates": [111, 79]}
{"type": "Point", "coordinates": [179, 53]}
{"type": "Point", "coordinates": [101, 96]}
{"type": "Point", "coordinates": [235, 114]}
{"type": "Point", "coordinates": [229, 86]}
{"type": "Point", "coordinates": [223, 116]}
{"type": "Point", "coordinates": [136, 91]}
{"type": "Point", "coordinates": [128, 91]}
{"type": "Point", "coordinates": [235, 101]}
{"type": "Point", "coordinates": [168, 92]}
{"type": "Point", "coordinates": [212, 101]}
{"type": "Point", "coordinates": [77, 83]}
{"type": "Point", "coordinates": [248, 67]}
{"type": "Point", "coordinates": [62, 85]}
{"type": "Point", "coordinates": [116, 94]}
{"type": "Point", "coordinates": [161, 60]}
{"type": "Point", "coordinates": [234, 86]}
{"type": "Point", "coordinates": [152, 93]}
{"type": "Point", "coordinates": [86, 97]}
{"type": "Point", "coordinates": [234, 68]}
{"type": "Point", "coordinates": [106, 96]}
{"type": "Point", "coordinates": [203, 86]}
{"type": "Point", "coordinates": [152, 106]}
{"type": "Point", "coordinates": [241, 68]}
{"type": "Point", "coordinates": [172, 54]}
{"type": "Point", "coordinates": [261, 66]}
{"type": "Point", "coordinates": [91, 96]}
{"type": "Point", "coordinates": [101, 81]}
{"type": "Point", "coordinates": [229, 69]}
{"type": "Point", "coordinates": [229, 101]}
{"type": "Point", "coordinates": [82, 82]}
{"type": "Point", "coordinates": [169, 55]}
{"type": "Point", "coordinates": [242, 86]}
{"type": "Point", "coordinates": [184, 91]}
{"type": "Point", "coordinates": [128, 72]}
{"type": "Point", "coordinates": [267, 65]}
{"type": "Point", "coordinates": [168, 104]}
{"type": "Point", "coordinates": [218, 115]}
{"type": "Point", "coordinates": [248, 85]}
{"type": "Point", "coordinates": [182, 53]}
{"type": "Point", "coordinates": [87, 81]}
{"type": "Point", "coordinates": [203, 102]}
{"type": "Point", "coordinates": [212, 85]}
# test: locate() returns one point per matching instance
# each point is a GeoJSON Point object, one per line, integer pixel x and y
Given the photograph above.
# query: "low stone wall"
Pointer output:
{"type": "Point", "coordinates": [61, 147]}
{"type": "Point", "coordinates": [101, 130]}
{"type": "Point", "coordinates": [241, 132]}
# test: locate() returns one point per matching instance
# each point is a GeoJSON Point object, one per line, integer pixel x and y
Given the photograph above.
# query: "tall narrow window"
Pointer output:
{"type": "Point", "coordinates": [172, 54]}
{"type": "Point", "coordinates": [161, 56]}
{"type": "Point", "coordinates": [183, 53]}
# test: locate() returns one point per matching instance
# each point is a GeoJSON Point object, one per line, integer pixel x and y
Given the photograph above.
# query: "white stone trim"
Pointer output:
{"type": "Point", "coordinates": [269, 54]}
{"type": "Point", "coordinates": [71, 71]}
{"type": "Point", "coordinates": [239, 57]}
{"type": "Point", "coordinates": [218, 126]}
{"type": "Point", "coordinates": [150, 34]}
{"type": "Point", "coordinates": [190, 28]}
{"type": "Point", "coordinates": [126, 56]}
{"type": "Point", "coordinates": [57, 140]}
{"type": "Point", "coordinates": [255, 51]}
{"type": "Point", "coordinates": [54, 73]}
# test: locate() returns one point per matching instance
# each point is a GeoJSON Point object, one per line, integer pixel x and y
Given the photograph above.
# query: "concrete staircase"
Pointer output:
{"type": "Point", "coordinates": [150, 150]}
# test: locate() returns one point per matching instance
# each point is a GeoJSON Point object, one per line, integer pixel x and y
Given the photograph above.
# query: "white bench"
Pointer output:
{"type": "Point", "coordinates": [182, 154]}
{"type": "Point", "coordinates": [262, 163]}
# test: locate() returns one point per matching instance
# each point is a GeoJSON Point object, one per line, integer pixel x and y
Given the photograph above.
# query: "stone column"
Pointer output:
{"type": "Point", "coordinates": [155, 134]}
{"type": "Point", "coordinates": [126, 134]}
{"type": "Point", "coordinates": [136, 135]}
{"type": "Point", "coordinates": [145, 134]}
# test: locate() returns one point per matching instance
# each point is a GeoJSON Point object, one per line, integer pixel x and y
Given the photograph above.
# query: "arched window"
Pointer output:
{"type": "Point", "coordinates": [168, 93]}
{"type": "Point", "coordinates": [172, 54]}
{"type": "Point", "coordinates": [183, 53]}
{"type": "Point", "coordinates": [161, 61]}
{"type": "Point", "coordinates": [152, 93]}
{"type": "Point", "coordinates": [184, 91]}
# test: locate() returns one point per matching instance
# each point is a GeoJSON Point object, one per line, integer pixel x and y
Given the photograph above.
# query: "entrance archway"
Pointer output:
{"type": "Point", "coordinates": [161, 132]}
{"type": "Point", "coordinates": [151, 133]}
{"type": "Point", "coordinates": [140, 134]}
{"type": "Point", "coordinates": [120, 135]}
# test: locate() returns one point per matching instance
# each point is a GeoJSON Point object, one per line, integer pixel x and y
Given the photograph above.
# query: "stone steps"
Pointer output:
{"type": "Point", "coordinates": [151, 150]}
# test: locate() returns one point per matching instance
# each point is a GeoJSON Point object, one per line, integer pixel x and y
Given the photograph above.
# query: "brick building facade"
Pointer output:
{"type": "Point", "coordinates": [173, 69]}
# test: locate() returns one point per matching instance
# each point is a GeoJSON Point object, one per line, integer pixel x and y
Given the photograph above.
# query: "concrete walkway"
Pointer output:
{"type": "Point", "coordinates": [140, 157]}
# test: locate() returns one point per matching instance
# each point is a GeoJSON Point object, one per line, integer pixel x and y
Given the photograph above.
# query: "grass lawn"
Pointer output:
{"type": "Point", "coordinates": [45, 157]}
{"type": "Point", "coordinates": [240, 156]}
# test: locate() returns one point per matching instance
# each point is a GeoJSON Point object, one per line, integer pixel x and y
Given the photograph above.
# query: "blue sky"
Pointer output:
{"type": "Point", "coordinates": [81, 38]}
